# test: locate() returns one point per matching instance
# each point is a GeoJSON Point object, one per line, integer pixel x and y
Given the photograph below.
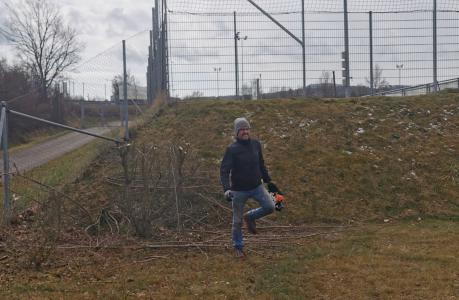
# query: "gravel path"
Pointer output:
{"type": "Point", "coordinates": [37, 155]}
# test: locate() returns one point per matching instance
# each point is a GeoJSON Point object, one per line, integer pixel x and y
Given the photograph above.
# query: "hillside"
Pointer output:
{"type": "Point", "coordinates": [336, 160]}
{"type": "Point", "coordinates": [372, 195]}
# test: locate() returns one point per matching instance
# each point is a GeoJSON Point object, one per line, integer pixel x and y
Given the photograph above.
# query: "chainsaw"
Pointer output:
{"type": "Point", "coordinates": [277, 196]}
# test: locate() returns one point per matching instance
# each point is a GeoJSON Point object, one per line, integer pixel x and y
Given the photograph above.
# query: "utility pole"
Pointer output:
{"type": "Point", "coordinates": [126, 126]}
{"type": "Point", "coordinates": [242, 59]}
{"type": "Point", "coordinates": [217, 70]}
{"type": "Point", "coordinates": [399, 67]}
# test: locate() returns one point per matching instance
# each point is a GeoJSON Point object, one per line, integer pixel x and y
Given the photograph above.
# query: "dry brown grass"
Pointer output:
{"type": "Point", "coordinates": [338, 160]}
{"type": "Point", "coordinates": [346, 162]}
{"type": "Point", "coordinates": [403, 260]}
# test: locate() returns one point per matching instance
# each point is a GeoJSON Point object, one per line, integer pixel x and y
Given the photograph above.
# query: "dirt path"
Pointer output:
{"type": "Point", "coordinates": [37, 155]}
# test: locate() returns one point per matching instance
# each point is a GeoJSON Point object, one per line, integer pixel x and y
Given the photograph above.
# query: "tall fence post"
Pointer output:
{"type": "Point", "coordinates": [125, 97]}
{"type": "Point", "coordinates": [155, 77]}
{"type": "Point", "coordinates": [166, 52]}
{"type": "Point", "coordinates": [236, 63]}
{"type": "Point", "coordinates": [370, 16]}
{"type": "Point", "coordinates": [434, 34]}
{"type": "Point", "coordinates": [149, 68]}
{"type": "Point", "coordinates": [304, 47]}
{"type": "Point", "coordinates": [6, 165]}
{"type": "Point", "coordinates": [346, 52]}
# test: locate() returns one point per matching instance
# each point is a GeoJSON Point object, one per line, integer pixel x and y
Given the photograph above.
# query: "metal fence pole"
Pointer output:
{"type": "Point", "coordinates": [334, 84]}
{"type": "Point", "coordinates": [370, 16]}
{"type": "Point", "coordinates": [6, 165]}
{"type": "Point", "coordinates": [236, 63]}
{"type": "Point", "coordinates": [166, 52]}
{"type": "Point", "coordinates": [155, 77]}
{"type": "Point", "coordinates": [126, 125]}
{"type": "Point", "coordinates": [258, 89]}
{"type": "Point", "coordinates": [149, 68]}
{"type": "Point", "coordinates": [304, 48]}
{"type": "Point", "coordinates": [346, 51]}
{"type": "Point", "coordinates": [434, 21]}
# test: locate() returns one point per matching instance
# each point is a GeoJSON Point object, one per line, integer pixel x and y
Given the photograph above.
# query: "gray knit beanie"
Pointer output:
{"type": "Point", "coordinates": [240, 123]}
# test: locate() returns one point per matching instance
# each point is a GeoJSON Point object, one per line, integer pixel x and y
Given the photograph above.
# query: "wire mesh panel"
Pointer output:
{"type": "Point", "coordinates": [448, 44]}
{"type": "Point", "coordinates": [203, 55]}
{"type": "Point", "coordinates": [289, 6]}
{"type": "Point", "coordinates": [93, 79]}
{"type": "Point", "coordinates": [229, 48]}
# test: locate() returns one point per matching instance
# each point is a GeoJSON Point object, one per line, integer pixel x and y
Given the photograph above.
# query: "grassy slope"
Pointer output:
{"type": "Point", "coordinates": [405, 161]}
{"type": "Point", "coordinates": [403, 165]}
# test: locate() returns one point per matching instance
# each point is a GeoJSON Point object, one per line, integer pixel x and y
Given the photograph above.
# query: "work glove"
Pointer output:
{"type": "Point", "coordinates": [272, 188]}
{"type": "Point", "coordinates": [229, 195]}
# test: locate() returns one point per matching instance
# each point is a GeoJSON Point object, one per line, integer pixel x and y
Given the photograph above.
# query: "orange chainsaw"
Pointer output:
{"type": "Point", "coordinates": [277, 196]}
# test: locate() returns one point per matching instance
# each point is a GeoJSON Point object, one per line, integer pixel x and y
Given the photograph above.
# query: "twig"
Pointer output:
{"type": "Point", "coordinates": [173, 159]}
{"type": "Point", "coordinates": [302, 226]}
{"type": "Point", "coordinates": [150, 259]}
{"type": "Point", "coordinates": [58, 192]}
{"type": "Point", "coordinates": [214, 202]}
{"type": "Point", "coordinates": [215, 238]}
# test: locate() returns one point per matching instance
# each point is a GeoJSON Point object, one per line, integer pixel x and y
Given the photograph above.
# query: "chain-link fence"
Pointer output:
{"type": "Point", "coordinates": [229, 48]}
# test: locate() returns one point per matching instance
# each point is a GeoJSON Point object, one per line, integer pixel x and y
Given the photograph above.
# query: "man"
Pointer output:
{"type": "Point", "coordinates": [243, 162]}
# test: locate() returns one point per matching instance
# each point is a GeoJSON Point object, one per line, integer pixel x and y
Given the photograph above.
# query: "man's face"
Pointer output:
{"type": "Point", "coordinates": [243, 133]}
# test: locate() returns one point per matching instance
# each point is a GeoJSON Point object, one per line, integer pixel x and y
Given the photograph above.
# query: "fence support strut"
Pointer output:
{"type": "Point", "coordinates": [63, 126]}
{"type": "Point", "coordinates": [302, 43]}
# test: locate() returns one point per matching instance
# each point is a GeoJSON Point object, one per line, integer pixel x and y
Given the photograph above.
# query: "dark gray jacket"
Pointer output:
{"type": "Point", "coordinates": [243, 160]}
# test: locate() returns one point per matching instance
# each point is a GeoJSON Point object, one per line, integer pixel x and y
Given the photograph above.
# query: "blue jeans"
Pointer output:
{"type": "Point", "coordinates": [259, 194]}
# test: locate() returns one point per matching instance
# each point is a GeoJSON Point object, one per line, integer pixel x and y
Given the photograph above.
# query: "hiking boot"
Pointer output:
{"type": "Point", "coordinates": [251, 226]}
{"type": "Point", "coordinates": [238, 253]}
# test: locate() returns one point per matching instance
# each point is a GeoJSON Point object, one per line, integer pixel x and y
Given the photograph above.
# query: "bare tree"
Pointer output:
{"type": "Point", "coordinates": [117, 85]}
{"type": "Point", "coordinates": [246, 90]}
{"type": "Point", "coordinates": [379, 82]}
{"type": "Point", "coordinates": [326, 85]}
{"type": "Point", "coordinates": [43, 41]}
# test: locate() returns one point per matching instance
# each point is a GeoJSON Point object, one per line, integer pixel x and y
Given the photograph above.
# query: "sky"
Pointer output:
{"type": "Point", "coordinates": [100, 23]}
{"type": "Point", "coordinates": [200, 44]}
{"type": "Point", "coordinates": [101, 26]}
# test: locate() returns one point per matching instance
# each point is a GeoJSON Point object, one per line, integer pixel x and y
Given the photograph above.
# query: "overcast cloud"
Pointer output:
{"type": "Point", "coordinates": [100, 23]}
